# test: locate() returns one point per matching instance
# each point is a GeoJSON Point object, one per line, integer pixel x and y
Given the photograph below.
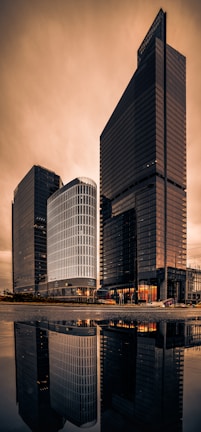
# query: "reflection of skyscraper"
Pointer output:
{"type": "Point", "coordinates": [56, 374]}
{"type": "Point", "coordinates": [29, 229]}
{"type": "Point", "coordinates": [61, 367]}
{"type": "Point", "coordinates": [32, 378]}
{"type": "Point", "coordinates": [159, 378]}
{"type": "Point", "coordinates": [142, 376]}
{"type": "Point", "coordinates": [143, 176]}
{"type": "Point", "coordinates": [118, 347]}
{"type": "Point", "coordinates": [73, 372]}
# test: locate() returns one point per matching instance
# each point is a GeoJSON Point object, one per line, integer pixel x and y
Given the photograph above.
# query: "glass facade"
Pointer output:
{"type": "Point", "coordinates": [29, 229]}
{"type": "Point", "coordinates": [193, 285]}
{"type": "Point", "coordinates": [72, 239]}
{"type": "Point", "coordinates": [143, 173]}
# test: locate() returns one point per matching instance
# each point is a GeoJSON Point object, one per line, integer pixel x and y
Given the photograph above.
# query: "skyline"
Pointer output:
{"type": "Point", "coordinates": [64, 68]}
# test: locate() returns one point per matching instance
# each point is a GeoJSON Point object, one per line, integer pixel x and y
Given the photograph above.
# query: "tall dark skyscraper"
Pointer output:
{"type": "Point", "coordinates": [143, 177]}
{"type": "Point", "coordinates": [29, 215]}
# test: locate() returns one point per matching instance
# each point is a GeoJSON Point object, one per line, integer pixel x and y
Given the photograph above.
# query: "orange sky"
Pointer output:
{"type": "Point", "coordinates": [64, 66]}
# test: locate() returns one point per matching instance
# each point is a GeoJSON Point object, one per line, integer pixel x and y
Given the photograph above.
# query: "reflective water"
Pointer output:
{"type": "Point", "coordinates": [69, 369]}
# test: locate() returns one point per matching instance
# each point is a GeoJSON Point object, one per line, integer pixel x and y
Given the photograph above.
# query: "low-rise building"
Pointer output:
{"type": "Point", "coordinates": [193, 285]}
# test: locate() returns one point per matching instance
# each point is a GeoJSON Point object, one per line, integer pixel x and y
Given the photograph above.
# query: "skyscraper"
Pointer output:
{"type": "Point", "coordinates": [29, 249]}
{"type": "Point", "coordinates": [72, 239]}
{"type": "Point", "coordinates": [143, 177]}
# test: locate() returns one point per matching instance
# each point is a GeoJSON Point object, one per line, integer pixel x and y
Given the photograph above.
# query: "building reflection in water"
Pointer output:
{"type": "Point", "coordinates": [33, 378]}
{"type": "Point", "coordinates": [73, 372]}
{"type": "Point", "coordinates": [102, 375]}
{"type": "Point", "coordinates": [142, 375]}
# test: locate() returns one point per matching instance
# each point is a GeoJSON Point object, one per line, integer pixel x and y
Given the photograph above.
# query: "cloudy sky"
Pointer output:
{"type": "Point", "coordinates": [63, 66]}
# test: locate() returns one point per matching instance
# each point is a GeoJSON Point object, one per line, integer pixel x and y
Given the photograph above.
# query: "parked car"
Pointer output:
{"type": "Point", "coordinates": [107, 301]}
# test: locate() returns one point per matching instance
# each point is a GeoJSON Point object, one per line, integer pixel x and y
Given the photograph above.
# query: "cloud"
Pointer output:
{"type": "Point", "coordinates": [64, 66]}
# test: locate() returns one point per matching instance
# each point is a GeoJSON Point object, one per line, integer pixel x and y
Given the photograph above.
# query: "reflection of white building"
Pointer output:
{"type": "Point", "coordinates": [72, 239]}
{"type": "Point", "coordinates": [73, 373]}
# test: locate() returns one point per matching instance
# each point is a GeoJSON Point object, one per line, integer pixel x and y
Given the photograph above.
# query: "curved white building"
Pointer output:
{"type": "Point", "coordinates": [72, 239]}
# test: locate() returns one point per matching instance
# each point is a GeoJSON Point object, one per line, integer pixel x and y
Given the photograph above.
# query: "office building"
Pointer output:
{"type": "Point", "coordinates": [29, 226]}
{"type": "Point", "coordinates": [193, 285]}
{"type": "Point", "coordinates": [72, 240]}
{"type": "Point", "coordinates": [143, 177]}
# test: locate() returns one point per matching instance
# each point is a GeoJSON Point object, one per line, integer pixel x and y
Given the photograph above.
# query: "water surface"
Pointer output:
{"type": "Point", "coordinates": [101, 369]}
